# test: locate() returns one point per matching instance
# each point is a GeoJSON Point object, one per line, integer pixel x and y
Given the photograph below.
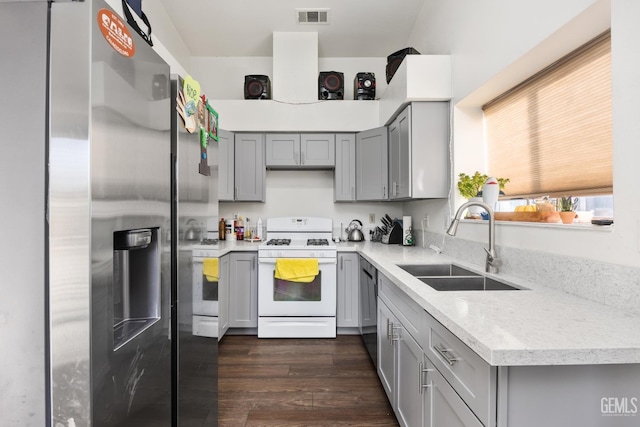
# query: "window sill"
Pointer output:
{"type": "Point", "coordinates": [552, 225]}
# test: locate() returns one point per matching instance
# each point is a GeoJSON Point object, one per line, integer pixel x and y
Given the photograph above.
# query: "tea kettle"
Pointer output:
{"type": "Point", "coordinates": [193, 232]}
{"type": "Point", "coordinates": [354, 231]}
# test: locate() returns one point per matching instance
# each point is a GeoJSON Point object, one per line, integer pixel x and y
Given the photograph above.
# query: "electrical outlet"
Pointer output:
{"type": "Point", "coordinates": [372, 218]}
{"type": "Point", "coordinates": [447, 221]}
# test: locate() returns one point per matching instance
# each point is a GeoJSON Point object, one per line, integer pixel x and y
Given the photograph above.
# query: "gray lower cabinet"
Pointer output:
{"type": "Point", "coordinates": [344, 181]}
{"type": "Point", "coordinates": [371, 164]}
{"type": "Point", "coordinates": [348, 282]}
{"type": "Point", "coordinates": [226, 166]}
{"type": "Point", "coordinates": [419, 152]}
{"type": "Point", "coordinates": [306, 150]}
{"type": "Point", "coordinates": [412, 352]}
{"type": "Point", "coordinates": [243, 290]}
{"type": "Point", "coordinates": [399, 361]}
{"type": "Point", "coordinates": [387, 355]}
{"type": "Point", "coordinates": [223, 296]}
{"type": "Point", "coordinates": [433, 379]}
{"type": "Point", "coordinates": [442, 405]}
{"type": "Point", "coordinates": [250, 172]}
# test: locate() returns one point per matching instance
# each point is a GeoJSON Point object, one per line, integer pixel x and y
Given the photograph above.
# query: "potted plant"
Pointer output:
{"type": "Point", "coordinates": [471, 185]}
{"type": "Point", "coordinates": [568, 206]}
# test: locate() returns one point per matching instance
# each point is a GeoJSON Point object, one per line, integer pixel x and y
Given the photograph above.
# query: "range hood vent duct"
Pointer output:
{"type": "Point", "coordinates": [312, 16]}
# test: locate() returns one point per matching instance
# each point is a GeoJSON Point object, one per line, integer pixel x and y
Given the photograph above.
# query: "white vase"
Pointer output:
{"type": "Point", "coordinates": [490, 192]}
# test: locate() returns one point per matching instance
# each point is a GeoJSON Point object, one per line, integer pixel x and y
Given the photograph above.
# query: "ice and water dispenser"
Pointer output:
{"type": "Point", "coordinates": [136, 283]}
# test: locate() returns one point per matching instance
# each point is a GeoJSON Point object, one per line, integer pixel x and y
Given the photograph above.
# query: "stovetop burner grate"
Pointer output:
{"type": "Point", "coordinates": [317, 242]}
{"type": "Point", "coordinates": [279, 242]}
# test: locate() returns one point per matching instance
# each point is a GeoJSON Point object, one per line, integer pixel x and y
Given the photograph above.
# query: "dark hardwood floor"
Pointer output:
{"type": "Point", "coordinates": [299, 382]}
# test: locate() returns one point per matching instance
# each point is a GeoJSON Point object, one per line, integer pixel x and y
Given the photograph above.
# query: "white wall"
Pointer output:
{"type": "Point", "coordinates": [309, 193]}
{"type": "Point", "coordinates": [494, 44]}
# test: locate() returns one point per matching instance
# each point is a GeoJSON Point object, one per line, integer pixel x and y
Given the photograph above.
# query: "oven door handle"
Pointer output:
{"type": "Point", "coordinates": [321, 261]}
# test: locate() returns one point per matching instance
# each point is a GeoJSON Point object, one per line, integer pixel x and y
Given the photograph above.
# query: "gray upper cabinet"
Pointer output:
{"type": "Point", "coordinates": [226, 179]}
{"type": "Point", "coordinates": [345, 172]}
{"type": "Point", "coordinates": [318, 150]}
{"type": "Point", "coordinates": [250, 174]}
{"type": "Point", "coordinates": [371, 164]}
{"type": "Point", "coordinates": [419, 152]}
{"type": "Point", "coordinates": [283, 150]}
{"type": "Point", "coordinates": [312, 150]}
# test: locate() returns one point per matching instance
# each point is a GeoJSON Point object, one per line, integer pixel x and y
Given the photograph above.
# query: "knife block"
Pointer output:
{"type": "Point", "coordinates": [394, 235]}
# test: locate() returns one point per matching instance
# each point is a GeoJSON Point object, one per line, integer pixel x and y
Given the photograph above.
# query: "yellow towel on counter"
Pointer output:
{"type": "Point", "coordinates": [302, 270]}
{"type": "Point", "coordinates": [210, 268]}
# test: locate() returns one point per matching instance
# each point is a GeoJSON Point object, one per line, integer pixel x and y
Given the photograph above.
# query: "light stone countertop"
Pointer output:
{"type": "Point", "coordinates": [537, 326]}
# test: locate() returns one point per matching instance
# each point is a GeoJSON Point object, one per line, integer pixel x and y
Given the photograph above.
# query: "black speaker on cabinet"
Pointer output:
{"type": "Point", "coordinates": [364, 86]}
{"type": "Point", "coordinates": [257, 86]}
{"type": "Point", "coordinates": [330, 85]}
{"type": "Point", "coordinates": [395, 59]}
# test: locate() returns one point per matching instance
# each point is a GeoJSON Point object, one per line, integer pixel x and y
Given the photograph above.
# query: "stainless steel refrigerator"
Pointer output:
{"type": "Point", "coordinates": [85, 171]}
{"type": "Point", "coordinates": [195, 209]}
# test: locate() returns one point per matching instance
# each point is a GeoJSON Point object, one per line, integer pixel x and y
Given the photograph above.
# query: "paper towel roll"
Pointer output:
{"type": "Point", "coordinates": [407, 231]}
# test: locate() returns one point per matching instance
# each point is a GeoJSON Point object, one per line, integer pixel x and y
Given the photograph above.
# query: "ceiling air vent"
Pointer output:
{"type": "Point", "coordinates": [312, 16]}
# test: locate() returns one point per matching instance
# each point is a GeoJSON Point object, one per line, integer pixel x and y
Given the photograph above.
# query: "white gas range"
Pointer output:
{"type": "Point", "coordinates": [288, 308]}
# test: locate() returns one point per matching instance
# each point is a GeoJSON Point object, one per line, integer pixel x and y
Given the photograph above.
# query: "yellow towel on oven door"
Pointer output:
{"type": "Point", "coordinates": [302, 270]}
{"type": "Point", "coordinates": [210, 268]}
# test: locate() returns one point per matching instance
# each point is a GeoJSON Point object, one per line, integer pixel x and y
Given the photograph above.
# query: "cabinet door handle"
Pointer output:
{"type": "Point", "coordinates": [394, 337]}
{"type": "Point", "coordinates": [302, 158]}
{"type": "Point", "coordinates": [444, 353]}
{"type": "Point", "coordinates": [389, 326]}
{"type": "Point", "coordinates": [341, 263]}
{"type": "Point", "coordinates": [421, 372]}
{"type": "Point", "coordinates": [384, 191]}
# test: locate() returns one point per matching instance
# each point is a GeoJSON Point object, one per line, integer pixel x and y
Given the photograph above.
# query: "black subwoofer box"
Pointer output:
{"type": "Point", "coordinates": [257, 86]}
{"type": "Point", "coordinates": [364, 86]}
{"type": "Point", "coordinates": [395, 59]}
{"type": "Point", "coordinates": [330, 85]}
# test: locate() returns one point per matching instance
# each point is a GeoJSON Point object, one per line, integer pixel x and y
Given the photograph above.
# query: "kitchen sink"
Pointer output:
{"type": "Point", "coordinates": [424, 270]}
{"type": "Point", "coordinates": [449, 277]}
{"type": "Point", "coordinates": [461, 283]}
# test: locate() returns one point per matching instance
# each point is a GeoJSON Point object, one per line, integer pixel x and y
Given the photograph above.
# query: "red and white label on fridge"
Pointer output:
{"type": "Point", "coordinates": [116, 33]}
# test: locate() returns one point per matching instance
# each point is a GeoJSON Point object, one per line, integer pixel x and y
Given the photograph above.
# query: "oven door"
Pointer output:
{"type": "Point", "coordinates": [278, 297]}
{"type": "Point", "coordinates": [205, 292]}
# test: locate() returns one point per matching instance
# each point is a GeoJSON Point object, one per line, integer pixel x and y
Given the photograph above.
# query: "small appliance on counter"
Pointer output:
{"type": "Point", "coordinates": [354, 231]}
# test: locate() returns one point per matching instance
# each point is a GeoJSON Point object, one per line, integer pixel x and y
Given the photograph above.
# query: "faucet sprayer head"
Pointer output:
{"type": "Point", "coordinates": [453, 228]}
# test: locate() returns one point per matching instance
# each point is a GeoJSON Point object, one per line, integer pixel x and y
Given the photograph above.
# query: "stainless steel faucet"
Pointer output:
{"type": "Point", "coordinates": [492, 262]}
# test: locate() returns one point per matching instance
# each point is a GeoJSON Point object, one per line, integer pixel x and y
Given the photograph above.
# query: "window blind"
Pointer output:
{"type": "Point", "coordinates": [552, 134]}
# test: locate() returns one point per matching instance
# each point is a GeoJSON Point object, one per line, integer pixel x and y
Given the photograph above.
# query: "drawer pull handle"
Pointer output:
{"type": "Point", "coordinates": [421, 372]}
{"type": "Point", "coordinates": [389, 326]}
{"type": "Point", "coordinates": [444, 353]}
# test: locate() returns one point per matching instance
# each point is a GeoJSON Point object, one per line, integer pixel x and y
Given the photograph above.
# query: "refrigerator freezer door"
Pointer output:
{"type": "Point", "coordinates": [110, 151]}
